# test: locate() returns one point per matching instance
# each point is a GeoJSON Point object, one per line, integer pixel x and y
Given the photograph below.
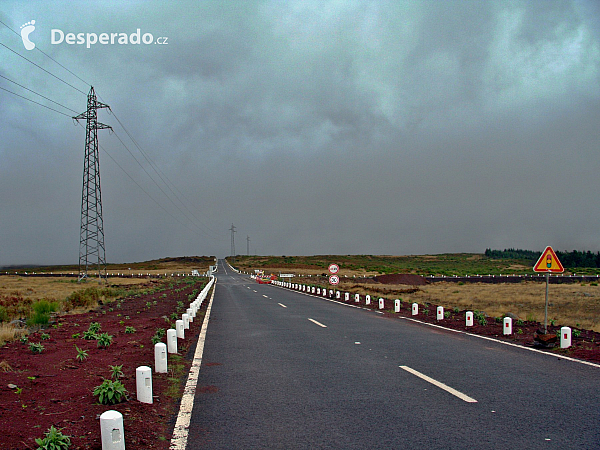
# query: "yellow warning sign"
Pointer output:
{"type": "Point", "coordinates": [548, 262]}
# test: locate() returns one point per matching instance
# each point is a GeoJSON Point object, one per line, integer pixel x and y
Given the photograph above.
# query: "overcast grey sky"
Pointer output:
{"type": "Point", "coordinates": [316, 127]}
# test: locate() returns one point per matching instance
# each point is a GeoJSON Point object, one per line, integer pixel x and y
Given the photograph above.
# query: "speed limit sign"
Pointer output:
{"type": "Point", "coordinates": [334, 279]}
{"type": "Point", "coordinates": [333, 269]}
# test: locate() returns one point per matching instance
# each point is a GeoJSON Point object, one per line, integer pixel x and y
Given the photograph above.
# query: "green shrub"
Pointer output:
{"type": "Point", "coordinates": [95, 327]}
{"type": "Point", "coordinates": [3, 314]}
{"type": "Point", "coordinates": [81, 354]}
{"type": "Point", "coordinates": [129, 330]}
{"type": "Point", "coordinates": [116, 372]}
{"type": "Point", "coordinates": [36, 347]}
{"type": "Point", "coordinates": [54, 440]}
{"type": "Point", "coordinates": [45, 336]}
{"type": "Point", "coordinates": [104, 340]}
{"type": "Point", "coordinates": [41, 312]}
{"type": "Point", "coordinates": [89, 335]}
{"type": "Point", "coordinates": [110, 392]}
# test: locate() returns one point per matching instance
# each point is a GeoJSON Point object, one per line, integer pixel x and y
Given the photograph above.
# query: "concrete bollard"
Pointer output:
{"type": "Point", "coordinates": [338, 295]}
{"type": "Point", "coordinates": [440, 313]}
{"type": "Point", "coordinates": [381, 303]}
{"type": "Point", "coordinates": [190, 313]}
{"type": "Point", "coordinates": [565, 337]}
{"type": "Point", "coordinates": [143, 378]}
{"type": "Point", "coordinates": [469, 318]}
{"type": "Point", "coordinates": [324, 292]}
{"type": "Point", "coordinates": [318, 291]}
{"type": "Point", "coordinates": [172, 340]}
{"type": "Point", "coordinates": [397, 305]}
{"type": "Point", "coordinates": [111, 430]}
{"type": "Point", "coordinates": [367, 299]}
{"type": "Point", "coordinates": [180, 329]}
{"type": "Point", "coordinates": [346, 296]}
{"type": "Point", "coordinates": [507, 328]}
{"type": "Point", "coordinates": [160, 358]}
{"type": "Point", "coordinates": [312, 291]}
{"type": "Point", "coordinates": [331, 292]}
{"type": "Point", "coordinates": [186, 321]}
{"type": "Point", "coordinates": [415, 309]}
{"type": "Point", "coordinates": [356, 298]}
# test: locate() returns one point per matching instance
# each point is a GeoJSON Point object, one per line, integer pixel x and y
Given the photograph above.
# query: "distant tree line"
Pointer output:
{"type": "Point", "coordinates": [572, 259]}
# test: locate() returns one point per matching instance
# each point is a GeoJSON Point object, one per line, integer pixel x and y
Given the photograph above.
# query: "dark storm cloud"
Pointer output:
{"type": "Point", "coordinates": [315, 127]}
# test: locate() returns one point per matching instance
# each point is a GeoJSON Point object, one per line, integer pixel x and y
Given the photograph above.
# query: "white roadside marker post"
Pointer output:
{"type": "Point", "coordinates": [160, 358]}
{"type": "Point", "coordinates": [143, 384]}
{"type": "Point", "coordinates": [190, 313]}
{"type": "Point", "coordinates": [179, 328]}
{"type": "Point", "coordinates": [172, 340]}
{"type": "Point", "coordinates": [507, 329]}
{"type": "Point", "coordinates": [415, 309]}
{"type": "Point", "coordinates": [356, 298]}
{"type": "Point", "coordinates": [440, 313]}
{"type": "Point", "coordinates": [367, 299]}
{"type": "Point", "coordinates": [469, 319]}
{"type": "Point", "coordinates": [565, 337]}
{"type": "Point", "coordinates": [186, 321]}
{"type": "Point", "coordinates": [111, 430]}
{"type": "Point", "coordinates": [397, 305]}
{"type": "Point", "coordinates": [381, 303]}
{"type": "Point", "coordinates": [346, 296]}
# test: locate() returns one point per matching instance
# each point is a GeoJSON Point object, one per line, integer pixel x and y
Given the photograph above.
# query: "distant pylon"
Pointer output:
{"type": "Point", "coordinates": [232, 229]}
{"type": "Point", "coordinates": [91, 236]}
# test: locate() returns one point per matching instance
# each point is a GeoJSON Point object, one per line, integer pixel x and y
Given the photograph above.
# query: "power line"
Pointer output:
{"type": "Point", "coordinates": [33, 101]}
{"type": "Point", "coordinates": [40, 67]}
{"type": "Point", "coordinates": [37, 93]}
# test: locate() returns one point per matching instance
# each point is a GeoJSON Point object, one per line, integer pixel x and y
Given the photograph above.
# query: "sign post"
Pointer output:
{"type": "Point", "coordinates": [548, 263]}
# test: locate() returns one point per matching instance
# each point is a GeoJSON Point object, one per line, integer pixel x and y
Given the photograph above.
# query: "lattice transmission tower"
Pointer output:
{"type": "Point", "coordinates": [91, 236]}
{"type": "Point", "coordinates": [232, 229]}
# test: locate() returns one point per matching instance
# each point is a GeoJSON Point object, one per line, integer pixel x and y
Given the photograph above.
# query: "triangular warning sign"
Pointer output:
{"type": "Point", "coordinates": [548, 262]}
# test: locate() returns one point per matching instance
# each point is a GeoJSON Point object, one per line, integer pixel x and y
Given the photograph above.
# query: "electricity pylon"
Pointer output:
{"type": "Point", "coordinates": [91, 235]}
{"type": "Point", "coordinates": [232, 229]}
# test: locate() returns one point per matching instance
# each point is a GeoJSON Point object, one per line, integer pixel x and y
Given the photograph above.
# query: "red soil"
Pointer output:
{"type": "Point", "coordinates": [57, 389]}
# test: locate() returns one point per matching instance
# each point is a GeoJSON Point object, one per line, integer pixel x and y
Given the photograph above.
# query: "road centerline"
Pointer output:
{"type": "Point", "coordinates": [317, 323]}
{"type": "Point", "coordinates": [439, 384]}
{"type": "Point", "coordinates": [282, 305]}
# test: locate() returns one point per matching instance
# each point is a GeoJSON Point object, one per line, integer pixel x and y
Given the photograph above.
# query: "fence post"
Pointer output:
{"type": "Point", "coordinates": [111, 430]}
{"type": "Point", "coordinates": [469, 318]}
{"type": "Point", "coordinates": [172, 340]}
{"type": "Point", "coordinates": [143, 384]}
{"type": "Point", "coordinates": [160, 358]}
{"type": "Point", "coordinates": [507, 329]}
{"type": "Point", "coordinates": [565, 337]}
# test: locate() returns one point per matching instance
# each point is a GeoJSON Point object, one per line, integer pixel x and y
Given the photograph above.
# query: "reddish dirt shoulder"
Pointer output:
{"type": "Point", "coordinates": [54, 388]}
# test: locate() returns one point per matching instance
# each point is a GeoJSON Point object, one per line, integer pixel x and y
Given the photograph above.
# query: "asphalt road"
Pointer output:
{"type": "Point", "coordinates": [287, 370]}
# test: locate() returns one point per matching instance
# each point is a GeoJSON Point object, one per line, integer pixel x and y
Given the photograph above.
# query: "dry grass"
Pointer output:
{"type": "Point", "coordinates": [9, 333]}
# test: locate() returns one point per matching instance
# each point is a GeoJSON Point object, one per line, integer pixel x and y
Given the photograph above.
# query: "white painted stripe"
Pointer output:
{"type": "Point", "coordinates": [182, 425]}
{"type": "Point", "coordinates": [282, 305]}
{"type": "Point", "coordinates": [253, 290]}
{"type": "Point", "coordinates": [317, 323]}
{"type": "Point", "coordinates": [265, 296]}
{"type": "Point", "coordinates": [441, 385]}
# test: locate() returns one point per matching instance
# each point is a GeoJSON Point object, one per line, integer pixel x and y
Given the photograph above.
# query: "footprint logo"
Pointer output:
{"type": "Point", "coordinates": [26, 30]}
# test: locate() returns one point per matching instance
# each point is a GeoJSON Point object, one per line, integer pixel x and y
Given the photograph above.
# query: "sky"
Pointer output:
{"type": "Point", "coordinates": [314, 127]}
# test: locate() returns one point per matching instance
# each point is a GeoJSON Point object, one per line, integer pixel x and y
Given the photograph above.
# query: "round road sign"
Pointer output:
{"type": "Point", "coordinates": [333, 269]}
{"type": "Point", "coordinates": [334, 279]}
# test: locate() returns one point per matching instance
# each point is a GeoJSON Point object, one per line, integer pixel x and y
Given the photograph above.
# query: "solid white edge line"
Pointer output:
{"type": "Point", "coordinates": [282, 305]}
{"type": "Point", "coordinates": [317, 323]}
{"type": "Point", "coordinates": [182, 425]}
{"type": "Point", "coordinates": [441, 385]}
{"type": "Point", "coordinates": [568, 358]}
